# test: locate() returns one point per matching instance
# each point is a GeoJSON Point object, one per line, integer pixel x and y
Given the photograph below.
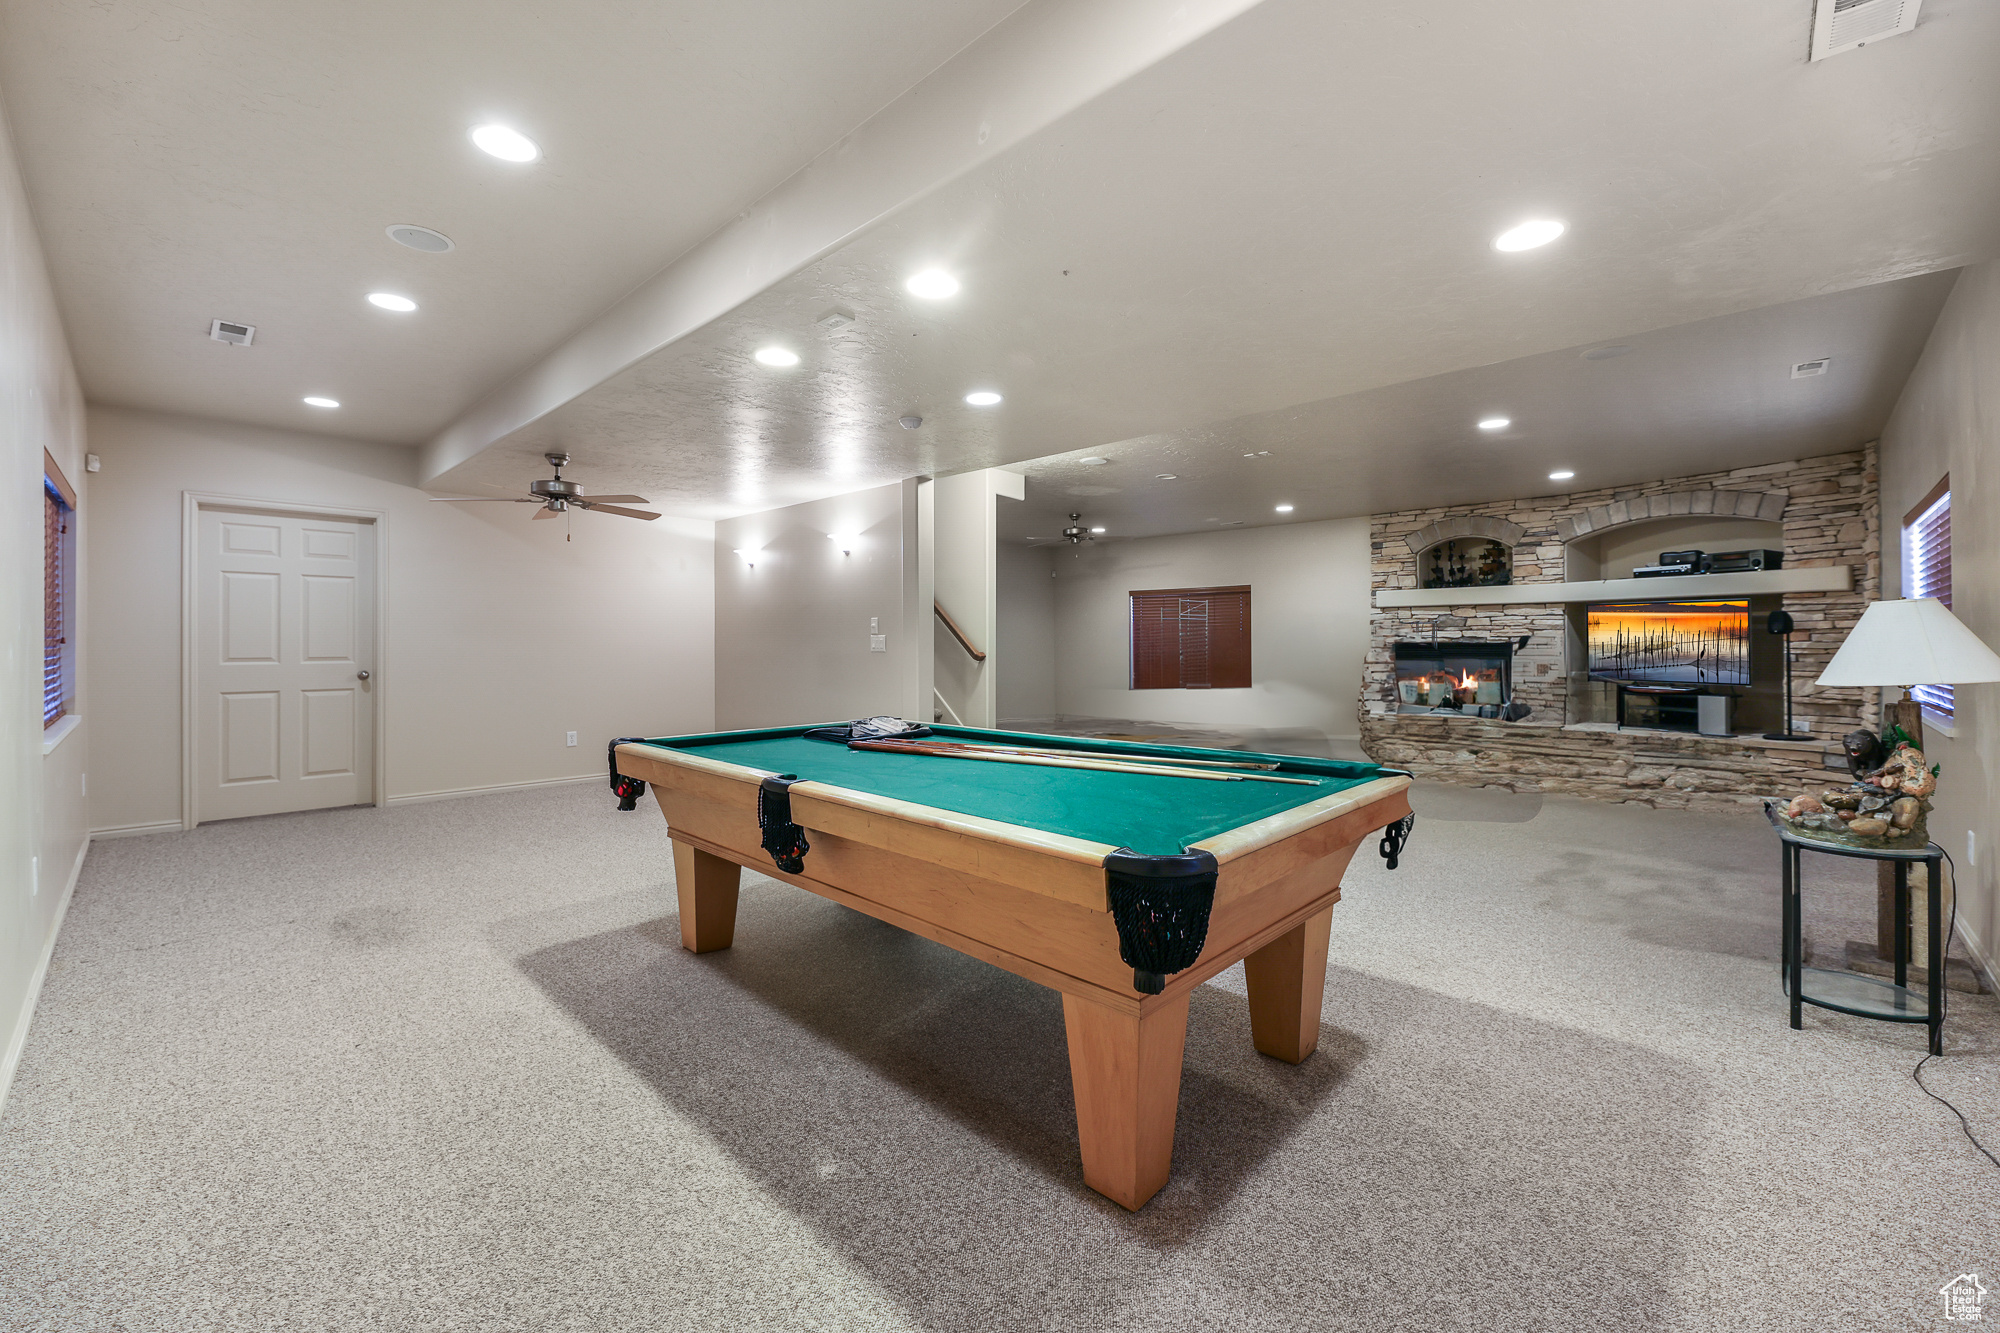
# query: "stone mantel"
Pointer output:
{"type": "Point", "coordinates": [1819, 578]}
{"type": "Point", "coordinates": [1660, 768]}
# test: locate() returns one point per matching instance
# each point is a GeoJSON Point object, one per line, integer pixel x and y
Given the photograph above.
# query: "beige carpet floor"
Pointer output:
{"type": "Point", "coordinates": [445, 1067]}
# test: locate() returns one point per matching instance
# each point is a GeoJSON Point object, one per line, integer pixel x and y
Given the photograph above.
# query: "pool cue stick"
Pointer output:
{"type": "Point", "coordinates": [1104, 754]}
{"type": "Point", "coordinates": [1100, 765]}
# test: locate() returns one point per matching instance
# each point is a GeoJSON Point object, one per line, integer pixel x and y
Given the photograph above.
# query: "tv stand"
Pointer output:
{"type": "Point", "coordinates": [1669, 707]}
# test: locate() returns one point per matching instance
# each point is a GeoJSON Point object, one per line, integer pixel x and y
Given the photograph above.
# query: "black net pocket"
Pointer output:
{"type": "Point", "coordinates": [1160, 905]}
{"type": "Point", "coordinates": [627, 790]}
{"type": "Point", "coordinates": [784, 840]}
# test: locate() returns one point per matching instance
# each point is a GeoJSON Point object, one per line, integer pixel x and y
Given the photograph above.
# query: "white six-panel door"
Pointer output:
{"type": "Point", "coordinates": [284, 645]}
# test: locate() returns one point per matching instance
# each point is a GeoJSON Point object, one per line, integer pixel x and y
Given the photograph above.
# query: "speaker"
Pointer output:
{"type": "Point", "coordinates": [1780, 622]}
{"type": "Point", "coordinates": [1712, 714]}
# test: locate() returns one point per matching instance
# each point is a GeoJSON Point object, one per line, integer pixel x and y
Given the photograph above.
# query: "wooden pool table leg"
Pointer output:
{"type": "Point", "coordinates": [1126, 1069]}
{"type": "Point", "coordinates": [1287, 983]}
{"type": "Point", "coordinates": [707, 887]}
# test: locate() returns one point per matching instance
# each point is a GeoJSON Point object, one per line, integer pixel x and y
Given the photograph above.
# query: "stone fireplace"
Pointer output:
{"type": "Point", "coordinates": [1568, 552]}
{"type": "Point", "coordinates": [1462, 676]}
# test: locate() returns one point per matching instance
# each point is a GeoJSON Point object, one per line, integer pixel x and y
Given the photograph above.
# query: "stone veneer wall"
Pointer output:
{"type": "Point", "coordinates": [1831, 512]}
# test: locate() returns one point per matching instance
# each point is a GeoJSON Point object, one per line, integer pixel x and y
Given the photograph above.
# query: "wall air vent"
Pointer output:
{"type": "Point", "coordinates": [1805, 370]}
{"type": "Point", "coordinates": [1843, 25]}
{"type": "Point", "coordinates": [239, 334]}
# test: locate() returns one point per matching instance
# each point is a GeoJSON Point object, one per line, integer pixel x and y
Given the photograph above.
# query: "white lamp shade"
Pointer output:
{"type": "Point", "coordinates": [1915, 642]}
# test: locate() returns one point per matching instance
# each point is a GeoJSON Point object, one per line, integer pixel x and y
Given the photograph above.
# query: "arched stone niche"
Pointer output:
{"type": "Point", "coordinates": [1766, 505]}
{"type": "Point", "coordinates": [1466, 525]}
{"type": "Point", "coordinates": [1609, 541]}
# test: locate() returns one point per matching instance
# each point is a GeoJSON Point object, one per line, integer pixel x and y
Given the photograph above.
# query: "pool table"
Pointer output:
{"type": "Point", "coordinates": [1123, 891]}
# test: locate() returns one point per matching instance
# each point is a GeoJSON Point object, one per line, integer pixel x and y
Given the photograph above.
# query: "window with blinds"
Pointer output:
{"type": "Point", "coordinates": [55, 604]}
{"type": "Point", "coordinates": [1927, 571]}
{"type": "Point", "coordinates": [1191, 639]}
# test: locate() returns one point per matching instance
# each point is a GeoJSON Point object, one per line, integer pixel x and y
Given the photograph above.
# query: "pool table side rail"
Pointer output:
{"type": "Point", "coordinates": [1009, 853]}
{"type": "Point", "coordinates": [1290, 763]}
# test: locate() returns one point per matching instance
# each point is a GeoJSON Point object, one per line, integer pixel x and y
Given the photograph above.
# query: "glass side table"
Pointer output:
{"type": "Point", "coordinates": [1851, 992]}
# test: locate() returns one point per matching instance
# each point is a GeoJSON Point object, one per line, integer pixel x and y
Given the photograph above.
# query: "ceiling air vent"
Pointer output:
{"type": "Point", "coordinates": [1805, 370]}
{"type": "Point", "coordinates": [1842, 25]}
{"type": "Point", "coordinates": [225, 332]}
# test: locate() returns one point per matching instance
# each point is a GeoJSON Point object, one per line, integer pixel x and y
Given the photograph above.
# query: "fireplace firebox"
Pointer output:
{"type": "Point", "coordinates": [1461, 676]}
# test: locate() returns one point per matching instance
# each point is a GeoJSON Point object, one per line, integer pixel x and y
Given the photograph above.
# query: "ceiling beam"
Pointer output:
{"type": "Point", "coordinates": [1042, 62]}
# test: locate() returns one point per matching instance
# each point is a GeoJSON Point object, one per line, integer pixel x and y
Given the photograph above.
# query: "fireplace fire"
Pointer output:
{"type": "Point", "coordinates": [1454, 676]}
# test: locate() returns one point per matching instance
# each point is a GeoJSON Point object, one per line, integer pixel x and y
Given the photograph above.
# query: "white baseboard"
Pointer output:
{"type": "Point", "coordinates": [1982, 961]}
{"type": "Point", "coordinates": [17, 1041]}
{"type": "Point", "coordinates": [413, 797]}
{"type": "Point", "coordinates": [134, 830]}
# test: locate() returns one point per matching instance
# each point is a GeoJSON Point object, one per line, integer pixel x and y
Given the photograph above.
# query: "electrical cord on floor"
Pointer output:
{"type": "Point", "coordinates": [1944, 992]}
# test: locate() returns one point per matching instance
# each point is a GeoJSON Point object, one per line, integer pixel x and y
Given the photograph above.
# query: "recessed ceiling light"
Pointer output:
{"type": "Point", "coordinates": [933, 284]}
{"type": "Point", "coordinates": [1093, 462]}
{"type": "Point", "coordinates": [1529, 235]}
{"type": "Point", "coordinates": [1284, 509]}
{"type": "Point", "coordinates": [508, 145]}
{"type": "Point", "coordinates": [1606, 353]}
{"type": "Point", "coordinates": [982, 398]}
{"type": "Point", "coordinates": [316, 401]}
{"type": "Point", "coordinates": [1564, 475]}
{"type": "Point", "coordinates": [1097, 530]}
{"type": "Point", "coordinates": [391, 301]}
{"type": "Point", "coordinates": [1495, 423]}
{"type": "Point", "coordinates": [1166, 476]}
{"type": "Point", "coordinates": [419, 238]}
{"type": "Point", "coordinates": [777, 356]}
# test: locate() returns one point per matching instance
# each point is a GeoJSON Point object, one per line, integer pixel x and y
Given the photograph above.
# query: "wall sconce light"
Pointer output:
{"type": "Point", "coordinates": [750, 557]}
{"type": "Point", "coordinates": [844, 540]}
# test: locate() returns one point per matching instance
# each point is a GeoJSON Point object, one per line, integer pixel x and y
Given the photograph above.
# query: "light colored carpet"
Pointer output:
{"type": "Point", "coordinates": [445, 1067]}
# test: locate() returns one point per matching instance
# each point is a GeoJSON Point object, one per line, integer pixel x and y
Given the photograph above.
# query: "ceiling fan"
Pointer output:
{"type": "Point", "coordinates": [556, 496]}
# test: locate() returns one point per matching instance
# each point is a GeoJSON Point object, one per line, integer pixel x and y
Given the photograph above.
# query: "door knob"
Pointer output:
{"type": "Point", "coordinates": [361, 675]}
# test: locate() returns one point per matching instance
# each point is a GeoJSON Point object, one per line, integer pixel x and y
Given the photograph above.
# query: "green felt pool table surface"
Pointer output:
{"type": "Point", "coordinates": [1153, 815]}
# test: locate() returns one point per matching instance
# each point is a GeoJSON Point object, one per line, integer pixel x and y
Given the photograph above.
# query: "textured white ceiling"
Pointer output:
{"type": "Point", "coordinates": [1702, 397]}
{"type": "Point", "coordinates": [201, 159]}
{"type": "Point", "coordinates": [1289, 212]}
{"type": "Point", "coordinates": [1298, 208]}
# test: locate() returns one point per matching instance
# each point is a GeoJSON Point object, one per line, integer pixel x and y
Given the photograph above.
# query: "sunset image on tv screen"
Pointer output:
{"type": "Point", "coordinates": [1693, 643]}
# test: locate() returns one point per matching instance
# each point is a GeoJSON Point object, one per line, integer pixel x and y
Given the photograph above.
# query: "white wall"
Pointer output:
{"type": "Point", "coordinates": [1024, 639]}
{"type": "Point", "coordinates": [1948, 420]}
{"type": "Point", "coordinates": [501, 636]}
{"type": "Point", "coordinates": [791, 632]}
{"type": "Point", "coordinates": [966, 574]}
{"type": "Point", "coordinates": [1309, 608]}
{"type": "Point", "coordinates": [42, 823]}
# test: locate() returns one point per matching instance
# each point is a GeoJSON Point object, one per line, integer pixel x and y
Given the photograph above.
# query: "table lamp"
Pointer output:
{"type": "Point", "coordinates": [1912, 642]}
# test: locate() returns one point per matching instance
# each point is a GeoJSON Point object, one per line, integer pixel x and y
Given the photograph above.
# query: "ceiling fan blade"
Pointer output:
{"type": "Point", "coordinates": [546, 512]}
{"type": "Point", "coordinates": [614, 509]}
{"type": "Point", "coordinates": [480, 499]}
{"type": "Point", "coordinates": [614, 499]}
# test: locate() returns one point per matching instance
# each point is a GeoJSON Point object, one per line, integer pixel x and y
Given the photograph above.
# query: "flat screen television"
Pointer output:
{"type": "Point", "coordinates": [1670, 642]}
